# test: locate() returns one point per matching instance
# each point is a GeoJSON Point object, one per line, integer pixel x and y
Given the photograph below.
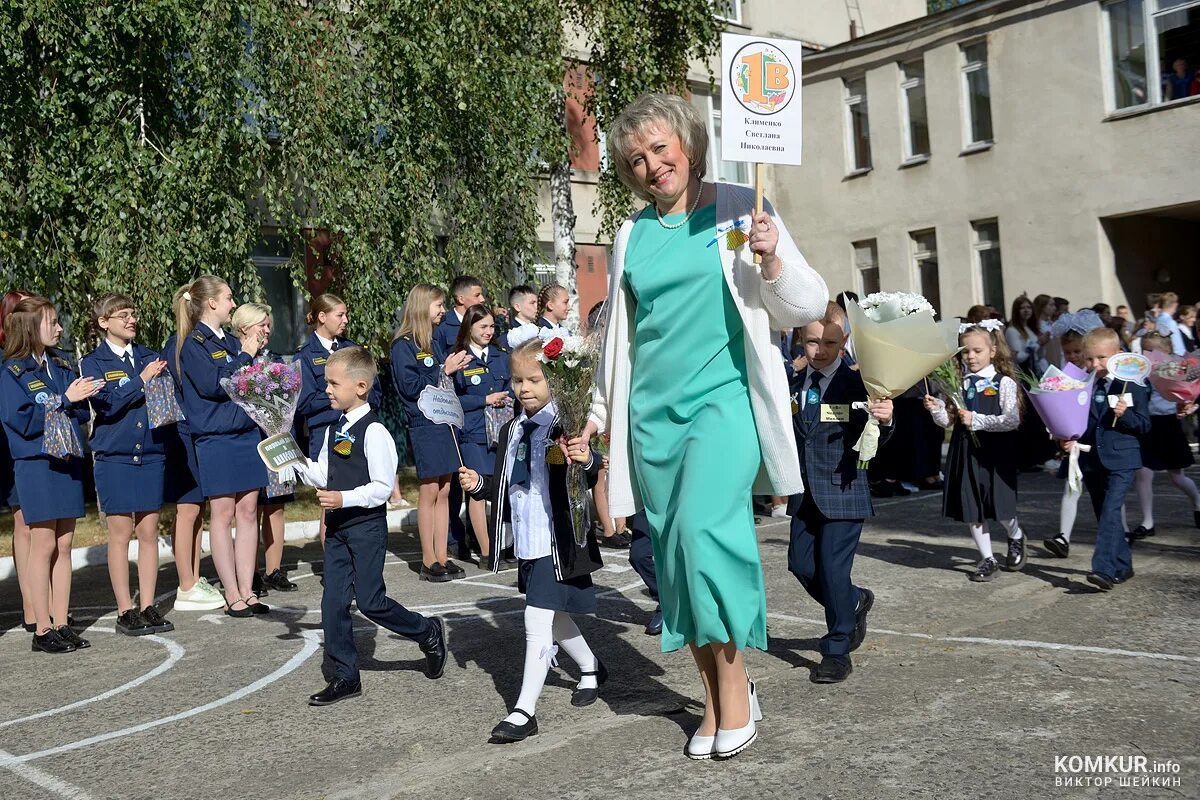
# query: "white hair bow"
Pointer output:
{"type": "Point", "coordinates": [987, 324]}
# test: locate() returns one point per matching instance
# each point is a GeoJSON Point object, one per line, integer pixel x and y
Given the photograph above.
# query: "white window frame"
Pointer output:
{"type": "Point", "coordinates": [906, 84]}
{"type": "Point", "coordinates": [1154, 94]}
{"type": "Point", "coordinates": [849, 101]}
{"type": "Point", "coordinates": [978, 248]}
{"type": "Point", "coordinates": [873, 246]}
{"type": "Point", "coordinates": [966, 69]}
{"type": "Point", "coordinates": [733, 6]}
{"type": "Point", "coordinates": [711, 114]}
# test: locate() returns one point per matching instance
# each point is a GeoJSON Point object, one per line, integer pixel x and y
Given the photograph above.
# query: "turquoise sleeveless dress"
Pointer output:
{"type": "Point", "coordinates": [695, 446]}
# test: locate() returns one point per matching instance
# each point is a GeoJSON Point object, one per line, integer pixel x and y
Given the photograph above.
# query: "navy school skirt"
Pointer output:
{"type": "Point", "coordinates": [479, 457]}
{"type": "Point", "coordinates": [50, 488]}
{"type": "Point", "coordinates": [130, 488]}
{"type": "Point", "coordinates": [229, 463]}
{"type": "Point", "coordinates": [535, 580]}
{"type": "Point", "coordinates": [181, 483]}
{"type": "Point", "coordinates": [433, 451]}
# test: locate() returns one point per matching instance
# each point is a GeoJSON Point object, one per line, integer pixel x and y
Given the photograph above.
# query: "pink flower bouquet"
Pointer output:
{"type": "Point", "coordinates": [1061, 398]}
{"type": "Point", "coordinates": [1177, 378]}
{"type": "Point", "coordinates": [268, 392]}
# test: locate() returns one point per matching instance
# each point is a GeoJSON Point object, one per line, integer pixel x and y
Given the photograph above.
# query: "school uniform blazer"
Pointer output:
{"type": "Point", "coordinates": [21, 385]}
{"type": "Point", "coordinates": [571, 560]}
{"type": "Point", "coordinates": [205, 360]}
{"type": "Point", "coordinates": [121, 426]}
{"type": "Point", "coordinates": [827, 457]}
{"type": "Point", "coordinates": [1118, 447]}
{"type": "Point", "coordinates": [445, 335]}
{"type": "Point", "coordinates": [313, 405]}
{"type": "Point", "coordinates": [494, 376]}
{"type": "Point", "coordinates": [412, 370]}
{"type": "Point", "coordinates": [797, 297]}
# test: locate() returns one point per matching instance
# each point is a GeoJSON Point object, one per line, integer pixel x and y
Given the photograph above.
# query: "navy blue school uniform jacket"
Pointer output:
{"type": "Point", "coordinates": [445, 335]}
{"type": "Point", "coordinates": [206, 358]}
{"type": "Point", "coordinates": [474, 383]}
{"type": "Point", "coordinates": [313, 406]}
{"type": "Point", "coordinates": [121, 429]}
{"type": "Point", "coordinates": [412, 370]}
{"type": "Point", "coordinates": [23, 386]}
{"type": "Point", "coordinates": [1116, 447]}
{"type": "Point", "coordinates": [827, 456]}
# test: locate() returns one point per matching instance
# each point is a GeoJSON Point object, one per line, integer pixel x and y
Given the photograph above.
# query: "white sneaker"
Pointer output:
{"type": "Point", "coordinates": [209, 589]}
{"type": "Point", "coordinates": [779, 512]}
{"type": "Point", "coordinates": [197, 599]}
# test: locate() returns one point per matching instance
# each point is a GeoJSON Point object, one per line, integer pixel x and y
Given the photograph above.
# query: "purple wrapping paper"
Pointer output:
{"type": "Point", "coordinates": [161, 406]}
{"type": "Point", "coordinates": [59, 438]}
{"type": "Point", "coordinates": [1065, 413]}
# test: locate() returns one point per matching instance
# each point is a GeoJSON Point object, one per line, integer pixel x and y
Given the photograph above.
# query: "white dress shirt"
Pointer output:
{"type": "Point", "coordinates": [532, 519]}
{"type": "Point", "coordinates": [827, 375]}
{"type": "Point", "coordinates": [120, 352]}
{"type": "Point", "coordinates": [218, 331]}
{"type": "Point", "coordinates": [380, 450]}
{"type": "Point", "coordinates": [326, 343]}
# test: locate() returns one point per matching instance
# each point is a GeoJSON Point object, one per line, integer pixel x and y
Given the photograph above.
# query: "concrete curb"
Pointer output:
{"type": "Point", "coordinates": [300, 530]}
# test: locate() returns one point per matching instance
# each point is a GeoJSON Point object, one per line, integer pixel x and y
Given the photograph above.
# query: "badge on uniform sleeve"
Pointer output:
{"type": "Point", "coordinates": [475, 380]}
{"type": "Point", "coordinates": [428, 361]}
{"type": "Point", "coordinates": [319, 361]}
{"type": "Point", "coordinates": [123, 381]}
{"type": "Point", "coordinates": [41, 397]}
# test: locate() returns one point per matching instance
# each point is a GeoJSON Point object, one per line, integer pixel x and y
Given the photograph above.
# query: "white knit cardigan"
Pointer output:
{"type": "Point", "coordinates": [799, 296]}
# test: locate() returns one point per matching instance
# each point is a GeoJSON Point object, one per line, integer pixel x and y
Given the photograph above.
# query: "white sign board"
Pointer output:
{"type": "Point", "coordinates": [760, 99]}
{"type": "Point", "coordinates": [441, 406]}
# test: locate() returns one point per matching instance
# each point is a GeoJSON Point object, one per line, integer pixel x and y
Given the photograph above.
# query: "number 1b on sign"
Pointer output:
{"type": "Point", "coordinates": [760, 96]}
{"type": "Point", "coordinates": [762, 78]}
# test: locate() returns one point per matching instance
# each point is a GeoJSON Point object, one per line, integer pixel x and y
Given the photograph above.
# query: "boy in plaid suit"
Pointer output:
{"type": "Point", "coordinates": [827, 518]}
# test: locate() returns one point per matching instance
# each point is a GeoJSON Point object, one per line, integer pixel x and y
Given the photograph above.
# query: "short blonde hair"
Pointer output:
{"type": "Point", "coordinates": [1101, 336]}
{"type": "Point", "coordinates": [357, 361]}
{"type": "Point", "coordinates": [248, 315]}
{"type": "Point", "coordinates": [671, 111]}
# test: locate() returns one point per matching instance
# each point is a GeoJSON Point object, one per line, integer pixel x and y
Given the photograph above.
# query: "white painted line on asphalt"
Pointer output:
{"type": "Point", "coordinates": [1010, 643]}
{"type": "Point", "coordinates": [622, 590]}
{"type": "Point", "coordinates": [486, 574]}
{"type": "Point", "coordinates": [8, 761]}
{"type": "Point", "coordinates": [56, 787]}
{"type": "Point", "coordinates": [174, 652]}
{"type": "Point", "coordinates": [921, 496]}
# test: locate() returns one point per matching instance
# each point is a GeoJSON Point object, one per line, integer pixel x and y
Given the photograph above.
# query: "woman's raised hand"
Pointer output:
{"type": "Point", "coordinates": [456, 361]}
{"type": "Point", "coordinates": [83, 388]}
{"type": "Point", "coordinates": [764, 236]}
{"type": "Point", "coordinates": [153, 369]}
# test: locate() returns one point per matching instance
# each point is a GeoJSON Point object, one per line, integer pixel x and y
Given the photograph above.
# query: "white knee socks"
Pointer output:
{"type": "Point", "coordinates": [1145, 491]}
{"type": "Point", "coordinates": [542, 627]}
{"type": "Point", "coordinates": [983, 539]}
{"type": "Point", "coordinates": [1012, 528]}
{"type": "Point", "coordinates": [1067, 510]}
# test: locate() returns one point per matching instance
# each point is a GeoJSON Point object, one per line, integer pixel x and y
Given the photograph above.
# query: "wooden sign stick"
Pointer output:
{"type": "Point", "coordinates": [758, 200]}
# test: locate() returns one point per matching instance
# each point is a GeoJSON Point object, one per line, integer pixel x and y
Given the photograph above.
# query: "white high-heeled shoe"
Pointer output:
{"type": "Point", "coordinates": [700, 747]}
{"type": "Point", "coordinates": [728, 743]}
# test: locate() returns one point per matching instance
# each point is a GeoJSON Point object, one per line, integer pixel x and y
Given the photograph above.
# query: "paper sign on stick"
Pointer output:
{"type": "Point", "coordinates": [441, 406]}
{"type": "Point", "coordinates": [760, 99]}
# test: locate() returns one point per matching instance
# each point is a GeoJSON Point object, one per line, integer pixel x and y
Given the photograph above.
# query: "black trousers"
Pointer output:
{"type": "Point", "coordinates": [354, 571]}
{"type": "Point", "coordinates": [641, 552]}
{"type": "Point", "coordinates": [821, 555]}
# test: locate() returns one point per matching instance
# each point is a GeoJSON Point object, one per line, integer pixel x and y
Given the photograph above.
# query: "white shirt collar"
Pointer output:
{"type": "Point", "coordinates": [326, 343]}
{"type": "Point", "coordinates": [828, 371]}
{"type": "Point", "coordinates": [987, 372]}
{"type": "Point", "coordinates": [478, 352]}
{"type": "Point", "coordinates": [458, 315]}
{"type": "Point", "coordinates": [357, 413]}
{"type": "Point", "coordinates": [217, 331]}
{"type": "Point", "coordinates": [544, 417]}
{"type": "Point", "coordinates": [120, 352]}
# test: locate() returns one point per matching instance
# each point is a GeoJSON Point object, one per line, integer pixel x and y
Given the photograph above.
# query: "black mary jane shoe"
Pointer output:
{"type": "Point", "coordinates": [832, 670]}
{"type": "Point", "coordinates": [51, 642]}
{"type": "Point", "coordinates": [435, 650]}
{"type": "Point", "coordinates": [338, 689]}
{"type": "Point", "coordinates": [240, 613]}
{"type": "Point", "coordinates": [278, 581]}
{"type": "Point", "coordinates": [257, 607]}
{"type": "Point", "coordinates": [74, 638]}
{"type": "Point", "coordinates": [585, 697]}
{"type": "Point", "coordinates": [508, 732]}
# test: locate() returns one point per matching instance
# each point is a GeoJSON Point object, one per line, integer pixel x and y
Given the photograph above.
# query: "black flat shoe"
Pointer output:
{"type": "Point", "coordinates": [435, 573]}
{"type": "Point", "coordinates": [74, 638]}
{"type": "Point", "coordinates": [1101, 582]}
{"type": "Point", "coordinates": [1014, 560]}
{"type": "Point", "coordinates": [257, 608]}
{"type": "Point", "coordinates": [51, 642]}
{"type": "Point", "coordinates": [435, 650]}
{"type": "Point", "coordinates": [30, 627]}
{"type": "Point", "coordinates": [508, 732]}
{"type": "Point", "coordinates": [454, 570]}
{"type": "Point", "coordinates": [1058, 547]}
{"type": "Point", "coordinates": [256, 585]}
{"type": "Point", "coordinates": [585, 697]}
{"type": "Point", "coordinates": [1127, 576]}
{"type": "Point", "coordinates": [866, 601]}
{"type": "Point", "coordinates": [132, 623]}
{"type": "Point", "coordinates": [1141, 532]}
{"type": "Point", "coordinates": [156, 620]}
{"type": "Point", "coordinates": [832, 670]}
{"type": "Point", "coordinates": [240, 613]}
{"type": "Point", "coordinates": [338, 689]}
{"type": "Point", "coordinates": [985, 571]}
{"type": "Point", "coordinates": [618, 541]}
{"type": "Point", "coordinates": [654, 626]}
{"type": "Point", "coordinates": [278, 581]}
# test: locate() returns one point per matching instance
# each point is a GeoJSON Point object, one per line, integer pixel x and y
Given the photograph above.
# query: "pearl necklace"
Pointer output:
{"type": "Point", "coordinates": [684, 221]}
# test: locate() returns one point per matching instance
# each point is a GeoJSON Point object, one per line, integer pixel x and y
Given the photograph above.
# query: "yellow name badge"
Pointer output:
{"type": "Point", "coordinates": [35, 385]}
{"type": "Point", "coordinates": [835, 412]}
{"type": "Point", "coordinates": [220, 354]}
{"type": "Point", "coordinates": [475, 371]}
{"type": "Point", "coordinates": [319, 361]}
{"type": "Point", "coordinates": [423, 354]}
{"type": "Point", "coordinates": [115, 375]}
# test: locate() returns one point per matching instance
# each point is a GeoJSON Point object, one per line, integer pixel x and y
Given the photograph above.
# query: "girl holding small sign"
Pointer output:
{"type": "Point", "coordinates": [414, 367]}
{"type": "Point", "coordinates": [130, 459]}
{"type": "Point", "coordinates": [483, 388]}
{"type": "Point", "coordinates": [231, 471]}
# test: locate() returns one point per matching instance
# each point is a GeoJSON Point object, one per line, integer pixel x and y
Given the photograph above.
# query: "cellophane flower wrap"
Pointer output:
{"type": "Point", "coordinates": [1061, 397]}
{"type": "Point", "coordinates": [1177, 378]}
{"type": "Point", "coordinates": [162, 407]}
{"type": "Point", "coordinates": [897, 342]}
{"type": "Point", "coordinates": [268, 391]}
{"type": "Point", "coordinates": [59, 438]}
{"type": "Point", "coordinates": [569, 364]}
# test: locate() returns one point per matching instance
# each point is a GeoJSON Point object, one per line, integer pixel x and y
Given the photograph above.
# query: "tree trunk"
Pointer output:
{"type": "Point", "coordinates": [562, 212]}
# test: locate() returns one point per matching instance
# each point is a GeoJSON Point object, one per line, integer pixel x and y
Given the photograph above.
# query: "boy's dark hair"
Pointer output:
{"type": "Point", "coordinates": [517, 291]}
{"type": "Point", "coordinates": [461, 284]}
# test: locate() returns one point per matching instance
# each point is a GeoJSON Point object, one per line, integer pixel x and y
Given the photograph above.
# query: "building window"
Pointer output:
{"type": "Point", "coordinates": [728, 10]}
{"type": "Point", "coordinates": [977, 101]}
{"type": "Point", "coordinates": [866, 265]}
{"type": "Point", "coordinates": [925, 267]}
{"type": "Point", "coordinates": [987, 257]}
{"type": "Point", "coordinates": [1173, 45]}
{"type": "Point", "coordinates": [738, 172]}
{"type": "Point", "coordinates": [858, 130]}
{"type": "Point", "coordinates": [916, 119]}
{"type": "Point", "coordinates": [272, 257]}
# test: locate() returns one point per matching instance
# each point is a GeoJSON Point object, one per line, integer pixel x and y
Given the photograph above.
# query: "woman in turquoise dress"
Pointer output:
{"type": "Point", "coordinates": [693, 394]}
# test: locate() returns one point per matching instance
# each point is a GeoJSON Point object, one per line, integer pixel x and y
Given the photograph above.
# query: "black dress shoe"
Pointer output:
{"type": "Point", "coordinates": [1058, 547]}
{"type": "Point", "coordinates": [1101, 582]}
{"type": "Point", "coordinates": [1141, 532]}
{"type": "Point", "coordinates": [435, 573]}
{"type": "Point", "coordinates": [1014, 560]}
{"type": "Point", "coordinates": [435, 650]}
{"type": "Point", "coordinates": [654, 626]}
{"type": "Point", "coordinates": [30, 627]}
{"type": "Point", "coordinates": [338, 689]}
{"type": "Point", "coordinates": [585, 697]}
{"type": "Point", "coordinates": [51, 642]}
{"type": "Point", "coordinates": [454, 570]}
{"type": "Point", "coordinates": [508, 732]}
{"type": "Point", "coordinates": [866, 601]}
{"type": "Point", "coordinates": [156, 620]}
{"type": "Point", "coordinates": [131, 623]}
{"type": "Point", "coordinates": [832, 670]}
{"type": "Point", "coordinates": [72, 637]}
{"type": "Point", "coordinates": [278, 581]}
{"type": "Point", "coordinates": [618, 541]}
{"type": "Point", "coordinates": [1126, 577]}
{"type": "Point", "coordinates": [256, 585]}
